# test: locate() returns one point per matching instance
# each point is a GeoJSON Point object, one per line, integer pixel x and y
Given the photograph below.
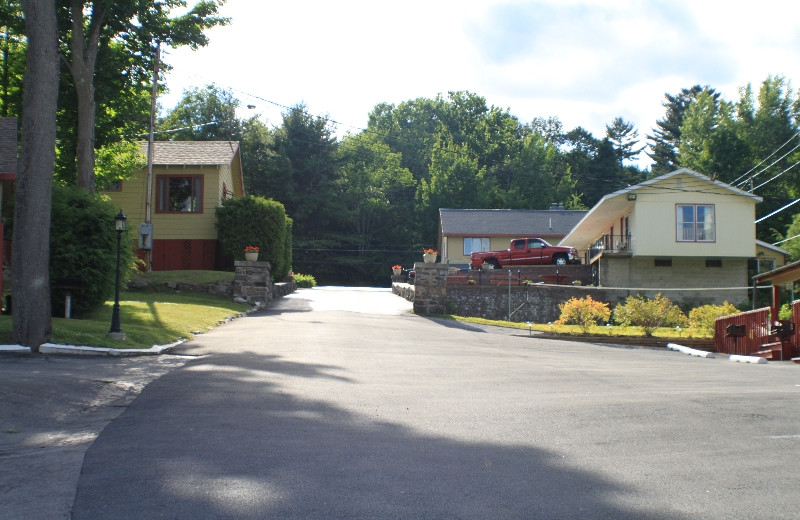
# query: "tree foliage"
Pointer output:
{"type": "Point", "coordinates": [83, 245]}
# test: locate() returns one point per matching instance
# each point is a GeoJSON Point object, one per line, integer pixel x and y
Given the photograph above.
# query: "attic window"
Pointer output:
{"type": "Point", "coordinates": [179, 194]}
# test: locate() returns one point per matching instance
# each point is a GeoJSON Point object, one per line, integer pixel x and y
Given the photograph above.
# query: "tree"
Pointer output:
{"type": "Point", "coordinates": [666, 137]}
{"type": "Point", "coordinates": [303, 174]}
{"type": "Point", "coordinates": [378, 192]}
{"type": "Point", "coordinates": [95, 24]}
{"type": "Point", "coordinates": [623, 137]}
{"type": "Point", "coordinates": [207, 114]}
{"type": "Point", "coordinates": [33, 198]}
{"type": "Point", "coordinates": [12, 54]}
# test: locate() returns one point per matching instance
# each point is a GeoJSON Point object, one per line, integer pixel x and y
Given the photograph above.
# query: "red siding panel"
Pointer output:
{"type": "Point", "coordinates": [178, 255]}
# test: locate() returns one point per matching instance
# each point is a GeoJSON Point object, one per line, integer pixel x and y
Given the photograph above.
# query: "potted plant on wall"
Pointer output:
{"type": "Point", "coordinates": [429, 255]}
{"type": "Point", "coordinates": [251, 253]}
{"type": "Point", "coordinates": [397, 269]}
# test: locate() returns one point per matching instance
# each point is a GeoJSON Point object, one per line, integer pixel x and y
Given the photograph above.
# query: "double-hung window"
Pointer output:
{"type": "Point", "coordinates": [179, 194]}
{"type": "Point", "coordinates": [695, 223]}
{"type": "Point", "coordinates": [475, 245]}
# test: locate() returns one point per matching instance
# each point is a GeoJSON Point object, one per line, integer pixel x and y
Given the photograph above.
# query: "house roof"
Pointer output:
{"type": "Point", "coordinates": [780, 276]}
{"type": "Point", "coordinates": [771, 247]}
{"type": "Point", "coordinates": [594, 223]}
{"type": "Point", "coordinates": [194, 153]}
{"type": "Point", "coordinates": [511, 222]}
{"type": "Point", "coordinates": [8, 145]}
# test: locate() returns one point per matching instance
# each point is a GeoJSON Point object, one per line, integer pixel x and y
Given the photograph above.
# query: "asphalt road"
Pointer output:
{"type": "Point", "coordinates": [342, 404]}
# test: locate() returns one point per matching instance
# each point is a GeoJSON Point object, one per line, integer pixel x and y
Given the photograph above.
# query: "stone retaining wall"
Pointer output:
{"type": "Point", "coordinates": [536, 303]}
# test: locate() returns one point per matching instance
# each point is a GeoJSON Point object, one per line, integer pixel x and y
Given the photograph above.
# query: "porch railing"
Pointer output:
{"type": "Point", "coordinates": [609, 243]}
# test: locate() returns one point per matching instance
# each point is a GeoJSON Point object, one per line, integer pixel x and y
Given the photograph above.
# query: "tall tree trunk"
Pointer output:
{"type": "Point", "coordinates": [83, 52]}
{"type": "Point", "coordinates": [31, 253]}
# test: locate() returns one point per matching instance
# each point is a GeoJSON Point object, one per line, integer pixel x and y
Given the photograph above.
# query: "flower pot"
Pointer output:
{"type": "Point", "coordinates": [396, 272]}
{"type": "Point", "coordinates": [251, 257]}
{"type": "Point", "coordinates": [429, 258]}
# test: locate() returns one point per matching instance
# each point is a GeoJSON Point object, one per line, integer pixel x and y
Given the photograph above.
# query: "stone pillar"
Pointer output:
{"type": "Point", "coordinates": [430, 289]}
{"type": "Point", "coordinates": [252, 283]}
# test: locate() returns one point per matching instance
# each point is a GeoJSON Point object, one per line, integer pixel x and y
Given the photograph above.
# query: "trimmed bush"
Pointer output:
{"type": "Point", "coordinates": [584, 312]}
{"type": "Point", "coordinates": [260, 222]}
{"type": "Point", "coordinates": [305, 281]}
{"type": "Point", "coordinates": [702, 318]}
{"type": "Point", "coordinates": [83, 250]}
{"type": "Point", "coordinates": [649, 314]}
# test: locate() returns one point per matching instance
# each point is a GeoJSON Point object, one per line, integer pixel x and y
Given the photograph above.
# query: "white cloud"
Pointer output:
{"type": "Point", "coordinates": [583, 61]}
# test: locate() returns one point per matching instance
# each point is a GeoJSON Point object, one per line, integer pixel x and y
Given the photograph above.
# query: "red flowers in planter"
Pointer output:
{"type": "Point", "coordinates": [251, 249]}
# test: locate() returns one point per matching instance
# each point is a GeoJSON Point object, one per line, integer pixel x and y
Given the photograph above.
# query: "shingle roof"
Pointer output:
{"type": "Point", "coordinates": [8, 145]}
{"type": "Point", "coordinates": [510, 222]}
{"type": "Point", "coordinates": [195, 153]}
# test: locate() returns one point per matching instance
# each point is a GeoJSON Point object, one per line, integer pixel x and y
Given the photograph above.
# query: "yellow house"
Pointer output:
{"type": "Point", "coordinates": [682, 233]}
{"type": "Point", "coordinates": [464, 231]}
{"type": "Point", "coordinates": [190, 180]}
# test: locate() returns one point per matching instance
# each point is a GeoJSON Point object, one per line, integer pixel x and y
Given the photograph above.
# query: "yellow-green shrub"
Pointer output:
{"type": "Point", "coordinates": [649, 314]}
{"type": "Point", "coordinates": [702, 318]}
{"type": "Point", "coordinates": [584, 312]}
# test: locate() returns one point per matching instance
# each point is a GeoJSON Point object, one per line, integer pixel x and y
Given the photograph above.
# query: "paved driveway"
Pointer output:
{"type": "Point", "coordinates": [305, 412]}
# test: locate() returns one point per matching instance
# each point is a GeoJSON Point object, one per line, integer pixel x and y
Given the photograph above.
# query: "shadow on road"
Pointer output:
{"type": "Point", "coordinates": [217, 439]}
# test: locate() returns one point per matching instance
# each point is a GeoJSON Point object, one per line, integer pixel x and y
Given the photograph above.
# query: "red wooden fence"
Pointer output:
{"type": "Point", "coordinates": [756, 332]}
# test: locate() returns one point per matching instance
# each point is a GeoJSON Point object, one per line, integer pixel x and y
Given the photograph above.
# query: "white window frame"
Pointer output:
{"type": "Point", "coordinates": [700, 226]}
{"type": "Point", "coordinates": [483, 245]}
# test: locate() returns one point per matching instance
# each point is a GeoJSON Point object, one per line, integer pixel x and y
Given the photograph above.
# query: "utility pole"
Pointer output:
{"type": "Point", "coordinates": [148, 202]}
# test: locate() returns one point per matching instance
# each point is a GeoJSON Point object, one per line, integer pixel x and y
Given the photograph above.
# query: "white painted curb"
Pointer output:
{"type": "Point", "coordinates": [690, 351]}
{"type": "Point", "coordinates": [14, 349]}
{"type": "Point", "coordinates": [757, 360]}
{"type": "Point", "coordinates": [54, 348]}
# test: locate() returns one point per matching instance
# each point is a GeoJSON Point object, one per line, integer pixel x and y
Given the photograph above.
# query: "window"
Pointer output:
{"type": "Point", "coordinates": [765, 265]}
{"type": "Point", "coordinates": [475, 245]}
{"type": "Point", "coordinates": [695, 223]}
{"type": "Point", "coordinates": [180, 194]}
{"type": "Point", "coordinates": [713, 262]}
{"type": "Point", "coordinates": [113, 186]}
{"type": "Point", "coordinates": [663, 262]}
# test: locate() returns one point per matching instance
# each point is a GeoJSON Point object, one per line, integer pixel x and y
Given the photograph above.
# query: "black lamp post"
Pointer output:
{"type": "Point", "coordinates": [116, 331]}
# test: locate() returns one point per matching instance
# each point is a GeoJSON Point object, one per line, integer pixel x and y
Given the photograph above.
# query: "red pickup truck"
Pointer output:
{"type": "Point", "coordinates": [526, 251]}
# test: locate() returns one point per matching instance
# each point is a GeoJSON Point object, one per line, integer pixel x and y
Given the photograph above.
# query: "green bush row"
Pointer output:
{"type": "Point", "coordinates": [647, 313]}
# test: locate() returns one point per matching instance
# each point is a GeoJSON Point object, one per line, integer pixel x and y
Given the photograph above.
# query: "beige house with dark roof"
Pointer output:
{"type": "Point", "coordinates": [190, 180]}
{"type": "Point", "coordinates": [683, 234]}
{"type": "Point", "coordinates": [462, 231]}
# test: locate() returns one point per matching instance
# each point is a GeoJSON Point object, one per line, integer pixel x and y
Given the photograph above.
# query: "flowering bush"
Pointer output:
{"type": "Point", "coordinates": [584, 312]}
{"type": "Point", "coordinates": [649, 314]}
{"type": "Point", "coordinates": [430, 251]}
{"type": "Point", "coordinates": [251, 249]}
{"type": "Point", "coordinates": [397, 267]}
{"type": "Point", "coordinates": [702, 318]}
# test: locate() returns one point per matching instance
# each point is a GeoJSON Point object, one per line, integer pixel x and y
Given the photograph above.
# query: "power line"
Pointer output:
{"type": "Point", "coordinates": [765, 160]}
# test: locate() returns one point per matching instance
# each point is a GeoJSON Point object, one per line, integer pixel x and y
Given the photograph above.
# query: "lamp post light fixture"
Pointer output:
{"type": "Point", "coordinates": [116, 331]}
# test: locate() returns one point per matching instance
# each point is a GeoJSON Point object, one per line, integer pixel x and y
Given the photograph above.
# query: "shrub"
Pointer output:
{"type": "Point", "coordinates": [702, 318]}
{"type": "Point", "coordinates": [83, 249]}
{"type": "Point", "coordinates": [260, 222]}
{"type": "Point", "coordinates": [649, 314]}
{"type": "Point", "coordinates": [305, 281]}
{"type": "Point", "coordinates": [584, 312]}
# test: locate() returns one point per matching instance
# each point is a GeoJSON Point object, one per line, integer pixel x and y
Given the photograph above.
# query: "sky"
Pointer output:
{"type": "Point", "coordinates": [585, 62]}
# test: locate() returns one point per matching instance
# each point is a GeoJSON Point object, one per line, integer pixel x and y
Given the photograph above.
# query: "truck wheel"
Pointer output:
{"type": "Point", "coordinates": [560, 260]}
{"type": "Point", "coordinates": [494, 263]}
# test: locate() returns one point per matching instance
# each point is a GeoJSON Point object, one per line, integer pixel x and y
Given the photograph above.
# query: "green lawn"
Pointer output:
{"type": "Point", "coordinates": [147, 318]}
